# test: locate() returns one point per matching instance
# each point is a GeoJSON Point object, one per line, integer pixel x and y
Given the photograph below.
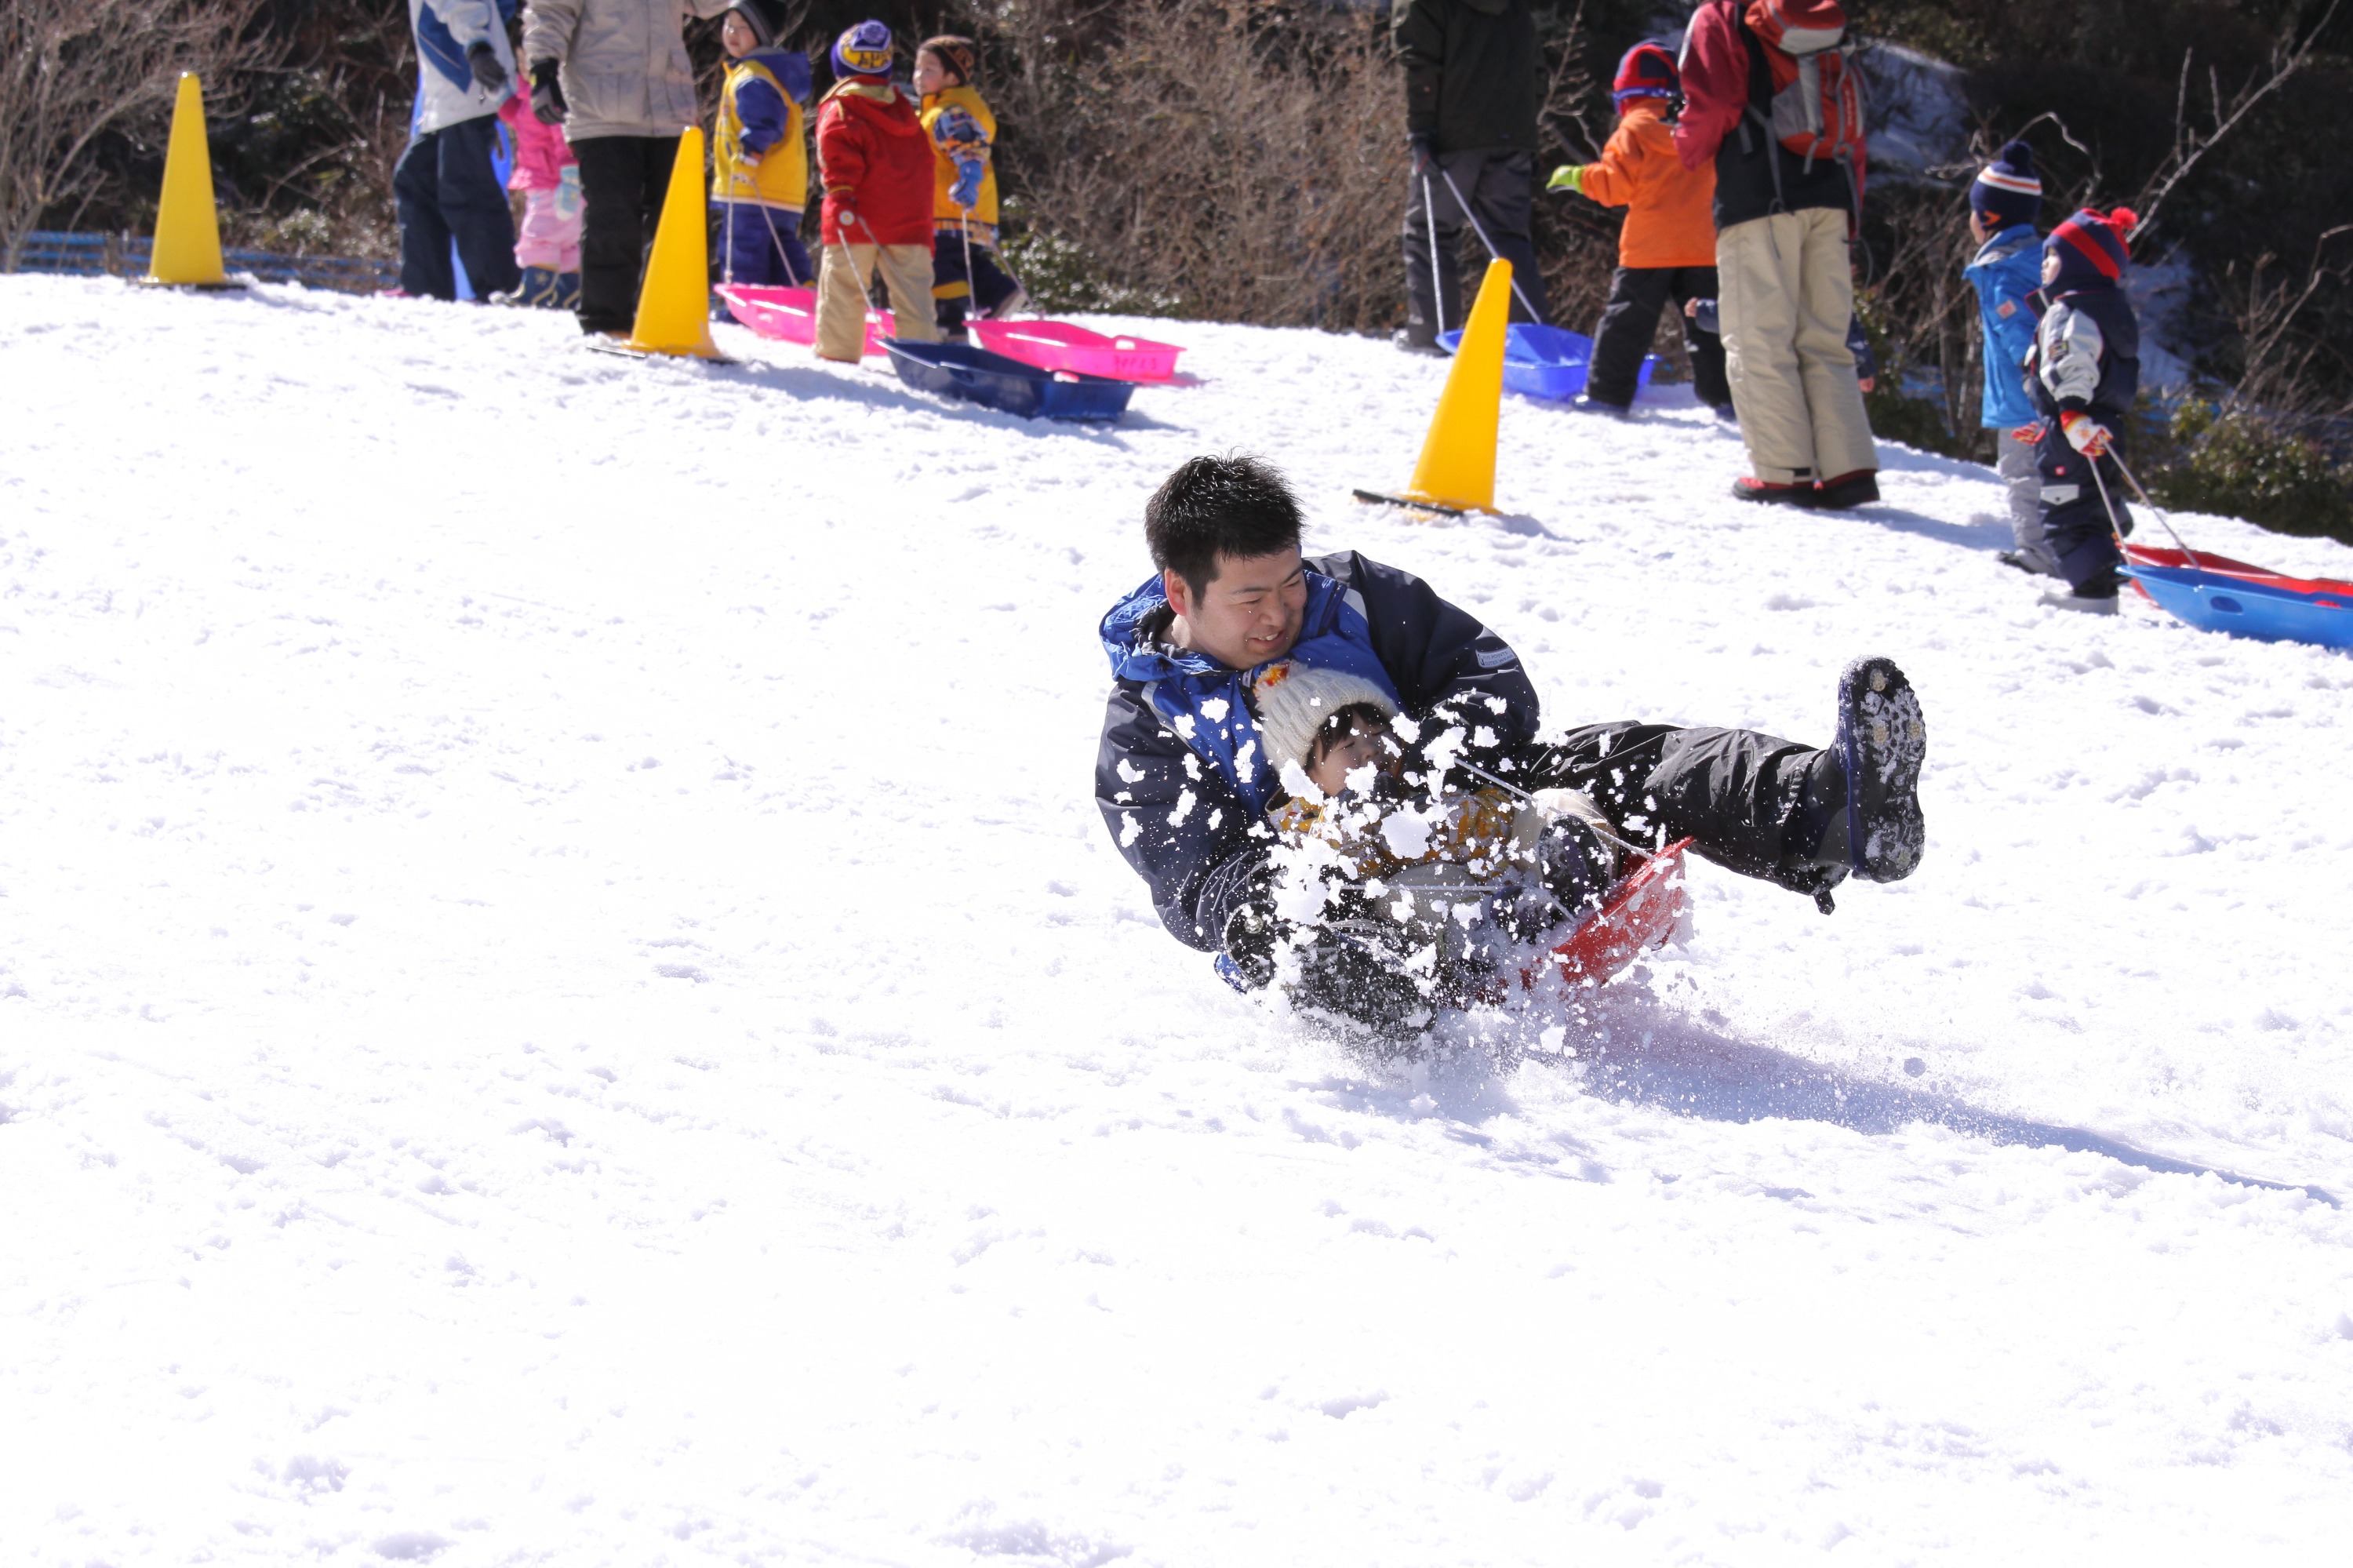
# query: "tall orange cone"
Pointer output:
{"type": "Point", "coordinates": [1457, 470]}
{"type": "Point", "coordinates": [187, 230]}
{"type": "Point", "coordinates": [674, 306]}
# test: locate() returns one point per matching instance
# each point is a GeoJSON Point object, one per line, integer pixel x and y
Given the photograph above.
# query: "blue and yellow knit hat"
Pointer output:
{"type": "Point", "coordinates": [863, 51]}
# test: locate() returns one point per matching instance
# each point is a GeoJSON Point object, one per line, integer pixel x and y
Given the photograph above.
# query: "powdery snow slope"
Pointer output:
{"type": "Point", "coordinates": [564, 999]}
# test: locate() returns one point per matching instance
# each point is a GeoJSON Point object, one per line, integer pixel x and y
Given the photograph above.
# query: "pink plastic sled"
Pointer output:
{"type": "Point", "coordinates": [789, 315]}
{"type": "Point", "coordinates": [1058, 345]}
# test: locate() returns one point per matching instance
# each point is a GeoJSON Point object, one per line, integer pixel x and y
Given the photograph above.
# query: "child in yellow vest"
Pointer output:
{"type": "Point", "coordinates": [759, 167]}
{"type": "Point", "coordinates": [965, 269]}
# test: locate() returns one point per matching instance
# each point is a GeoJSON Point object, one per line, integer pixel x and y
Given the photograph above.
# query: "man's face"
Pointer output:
{"type": "Point", "coordinates": [1248, 613]}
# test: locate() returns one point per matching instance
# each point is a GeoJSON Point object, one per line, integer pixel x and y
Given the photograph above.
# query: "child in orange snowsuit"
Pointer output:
{"type": "Point", "coordinates": [1667, 250]}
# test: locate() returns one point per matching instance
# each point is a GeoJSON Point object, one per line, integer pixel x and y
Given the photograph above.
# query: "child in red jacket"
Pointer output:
{"type": "Point", "coordinates": [876, 164]}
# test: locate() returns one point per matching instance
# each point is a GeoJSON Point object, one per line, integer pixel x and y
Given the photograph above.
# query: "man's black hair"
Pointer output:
{"type": "Point", "coordinates": [1235, 505]}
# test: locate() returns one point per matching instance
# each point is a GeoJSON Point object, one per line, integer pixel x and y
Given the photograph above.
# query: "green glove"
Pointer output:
{"type": "Point", "coordinates": [1567, 177]}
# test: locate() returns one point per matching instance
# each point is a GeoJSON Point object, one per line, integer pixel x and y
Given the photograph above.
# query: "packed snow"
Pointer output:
{"type": "Point", "coordinates": [564, 999]}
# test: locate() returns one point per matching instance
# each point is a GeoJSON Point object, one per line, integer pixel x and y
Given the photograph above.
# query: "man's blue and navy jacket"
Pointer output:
{"type": "Point", "coordinates": [1181, 778]}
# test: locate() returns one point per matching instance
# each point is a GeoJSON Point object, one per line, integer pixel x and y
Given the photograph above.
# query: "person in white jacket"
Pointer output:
{"type": "Point", "coordinates": [443, 186]}
{"type": "Point", "coordinates": [615, 74]}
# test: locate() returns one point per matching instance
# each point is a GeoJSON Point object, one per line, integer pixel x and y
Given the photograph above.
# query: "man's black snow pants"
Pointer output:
{"type": "Point", "coordinates": [1753, 803]}
{"type": "Point", "coordinates": [1630, 320]}
{"type": "Point", "coordinates": [623, 180]}
{"type": "Point", "coordinates": [443, 188]}
{"type": "Point", "coordinates": [1500, 185]}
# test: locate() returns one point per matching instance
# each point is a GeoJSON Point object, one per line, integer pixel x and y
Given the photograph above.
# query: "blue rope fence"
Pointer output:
{"type": "Point", "coordinates": [126, 256]}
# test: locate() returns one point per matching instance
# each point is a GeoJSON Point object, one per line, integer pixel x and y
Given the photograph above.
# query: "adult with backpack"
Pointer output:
{"type": "Point", "coordinates": [1472, 82]}
{"type": "Point", "coordinates": [1770, 95]}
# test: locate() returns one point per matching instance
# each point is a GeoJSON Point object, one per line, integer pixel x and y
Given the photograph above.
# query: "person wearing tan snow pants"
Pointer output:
{"type": "Point", "coordinates": [1784, 215]}
{"type": "Point", "coordinates": [1785, 297]}
{"type": "Point", "coordinates": [846, 273]}
{"type": "Point", "coordinates": [876, 162]}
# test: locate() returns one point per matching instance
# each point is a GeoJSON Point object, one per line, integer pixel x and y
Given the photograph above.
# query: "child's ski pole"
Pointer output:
{"type": "Point", "coordinates": [1480, 230]}
{"type": "Point", "coordinates": [1430, 221]}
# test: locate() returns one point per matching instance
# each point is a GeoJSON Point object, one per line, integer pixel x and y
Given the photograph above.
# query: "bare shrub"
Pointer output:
{"type": "Point", "coordinates": [74, 71]}
{"type": "Point", "coordinates": [1199, 156]}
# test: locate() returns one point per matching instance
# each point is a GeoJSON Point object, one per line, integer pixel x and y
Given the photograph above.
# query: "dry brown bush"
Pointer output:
{"type": "Point", "coordinates": [75, 71]}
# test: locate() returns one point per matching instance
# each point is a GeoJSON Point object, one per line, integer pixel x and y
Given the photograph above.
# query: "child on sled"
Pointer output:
{"type": "Point", "coordinates": [1459, 876]}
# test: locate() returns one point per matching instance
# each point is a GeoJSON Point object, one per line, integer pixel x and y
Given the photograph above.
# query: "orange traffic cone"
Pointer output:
{"type": "Point", "coordinates": [1457, 470]}
{"type": "Point", "coordinates": [187, 250]}
{"type": "Point", "coordinates": [674, 305]}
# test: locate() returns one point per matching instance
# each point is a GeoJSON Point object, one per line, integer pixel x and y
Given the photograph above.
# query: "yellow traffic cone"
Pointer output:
{"type": "Point", "coordinates": [674, 306]}
{"type": "Point", "coordinates": [187, 230]}
{"type": "Point", "coordinates": [1457, 470]}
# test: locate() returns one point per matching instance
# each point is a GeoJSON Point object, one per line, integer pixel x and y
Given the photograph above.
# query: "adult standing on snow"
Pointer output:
{"type": "Point", "coordinates": [1753, 73]}
{"type": "Point", "coordinates": [1185, 787]}
{"type": "Point", "coordinates": [1472, 82]}
{"type": "Point", "coordinates": [615, 74]}
{"type": "Point", "coordinates": [443, 187]}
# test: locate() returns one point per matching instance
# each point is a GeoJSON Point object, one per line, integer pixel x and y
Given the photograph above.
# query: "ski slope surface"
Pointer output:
{"type": "Point", "coordinates": [564, 999]}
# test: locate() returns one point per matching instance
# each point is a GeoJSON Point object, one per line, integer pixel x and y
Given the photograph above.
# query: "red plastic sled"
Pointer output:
{"type": "Point", "coordinates": [1643, 911]}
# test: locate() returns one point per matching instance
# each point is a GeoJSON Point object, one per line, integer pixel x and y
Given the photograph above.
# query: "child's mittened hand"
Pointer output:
{"type": "Point", "coordinates": [965, 192]}
{"type": "Point", "coordinates": [2085, 434]}
{"type": "Point", "coordinates": [1567, 177]}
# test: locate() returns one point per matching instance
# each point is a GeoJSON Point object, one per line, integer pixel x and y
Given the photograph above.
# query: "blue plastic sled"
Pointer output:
{"type": "Point", "coordinates": [1547, 362]}
{"type": "Point", "coordinates": [2266, 608]}
{"type": "Point", "coordinates": [959, 370]}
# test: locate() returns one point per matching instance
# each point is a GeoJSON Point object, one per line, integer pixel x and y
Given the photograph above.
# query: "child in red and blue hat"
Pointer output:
{"type": "Point", "coordinates": [877, 167]}
{"type": "Point", "coordinates": [2084, 372]}
{"type": "Point", "coordinates": [1667, 248]}
{"type": "Point", "coordinates": [2004, 201]}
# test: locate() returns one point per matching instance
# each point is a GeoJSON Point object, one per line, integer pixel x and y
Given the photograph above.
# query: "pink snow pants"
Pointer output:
{"type": "Point", "coordinates": [550, 235]}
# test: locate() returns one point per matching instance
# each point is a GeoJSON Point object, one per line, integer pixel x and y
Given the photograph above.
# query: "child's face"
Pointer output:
{"type": "Point", "coordinates": [2050, 265]}
{"type": "Point", "coordinates": [1360, 747]}
{"type": "Point", "coordinates": [735, 35]}
{"type": "Point", "coordinates": [931, 74]}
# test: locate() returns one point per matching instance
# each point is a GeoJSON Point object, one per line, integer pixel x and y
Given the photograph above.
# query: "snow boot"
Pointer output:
{"type": "Point", "coordinates": [1595, 406]}
{"type": "Point", "coordinates": [1799, 495]}
{"type": "Point", "coordinates": [2095, 596]}
{"type": "Point", "coordinates": [1412, 342]}
{"type": "Point", "coordinates": [566, 296]}
{"type": "Point", "coordinates": [2034, 560]}
{"type": "Point", "coordinates": [1006, 308]}
{"type": "Point", "coordinates": [1882, 741]}
{"type": "Point", "coordinates": [1857, 489]}
{"type": "Point", "coordinates": [537, 287]}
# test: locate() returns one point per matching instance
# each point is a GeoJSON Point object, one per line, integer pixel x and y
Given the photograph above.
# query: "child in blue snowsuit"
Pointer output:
{"type": "Point", "coordinates": [759, 167]}
{"type": "Point", "coordinates": [2003, 205]}
{"type": "Point", "coordinates": [2085, 372]}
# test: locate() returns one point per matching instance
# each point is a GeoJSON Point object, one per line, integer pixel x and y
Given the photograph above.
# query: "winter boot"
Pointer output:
{"type": "Point", "coordinates": [1005, 309]}
{"type": "Point", "coordinates": [1882, 741]}
{"type": "Point", "coordinates": [2094, 596]}
{"type": "Point", "coordinates": [537, 287]}
{"type": "Point", "coordinates": [1801, 493]}
{"type": "Point", "coordinates": [1855, 489]}
{"type": "Point", "coordinates": [1413, 341]}
{"type": "Point", "coordinates": [566, 296]}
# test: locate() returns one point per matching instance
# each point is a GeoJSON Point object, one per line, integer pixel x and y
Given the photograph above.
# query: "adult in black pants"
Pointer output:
{"type": "Point", "coordinates": [1472, 88]}
{"type": "Point", "coordinates": [615, 74]}
{"type": "Point", "coordinates": [623, 180]}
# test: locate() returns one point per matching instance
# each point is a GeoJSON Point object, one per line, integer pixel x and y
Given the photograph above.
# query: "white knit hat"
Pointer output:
{"type": "Point", "coordinates": [1292, 699]}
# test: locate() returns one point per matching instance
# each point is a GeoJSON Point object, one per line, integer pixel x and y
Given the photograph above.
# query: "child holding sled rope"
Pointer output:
{"type": "Point", "coordinates": [759, 165]}
{"type": "Point", "coordinates": [2085, 372]}
{"type": "Point", "coordinates": [964, 270]}
{"type": "Point", "coordinates": [877, 167]}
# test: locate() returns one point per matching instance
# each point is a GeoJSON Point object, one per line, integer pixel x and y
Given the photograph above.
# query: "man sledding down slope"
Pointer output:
{"type": "Point", "coordinates": [1185, 786]}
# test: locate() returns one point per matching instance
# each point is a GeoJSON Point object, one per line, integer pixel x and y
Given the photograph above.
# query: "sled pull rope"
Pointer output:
{"type": "Point", "coordinates": [1430, 221]}
{"type": "Point", "coordinates": [2161, 517]}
